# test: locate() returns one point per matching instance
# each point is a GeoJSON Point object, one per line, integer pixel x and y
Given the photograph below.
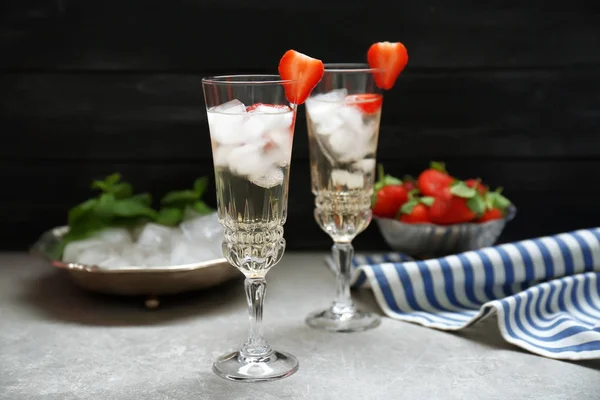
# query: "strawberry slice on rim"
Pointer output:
{"type": "Point", "coordinates": [369, 103]}
{"type": "Point", "coordinates": [304, 70]}
{"type": "Point", "coordinates": [390, 58]}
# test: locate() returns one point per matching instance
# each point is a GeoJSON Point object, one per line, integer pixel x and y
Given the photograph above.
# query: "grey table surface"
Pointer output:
{"type": "Point", "coordinates": [60, 342]}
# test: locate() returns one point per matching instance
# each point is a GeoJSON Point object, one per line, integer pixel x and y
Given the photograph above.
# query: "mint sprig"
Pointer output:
{"type": "Point", "coordinates": [117, 206]}
{"type": "Point", "coordinates": [175, 203]}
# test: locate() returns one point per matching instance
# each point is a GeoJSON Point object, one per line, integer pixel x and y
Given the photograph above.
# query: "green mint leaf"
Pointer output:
{"type": "Point", "coordinates": [200, 186]}
{"type": "Point", "coordinates": [100, 185]}
{"type": "Point", "coordinates": [427, 200]}
{"type": "Point", "coordinates": [181, 197]}
{"type": "Point", "coordinates": [104, 207]}
{"type": "Point", "coordinates": [112, 179]}
{"type": "Point", "coordinates": [122, 190]}
{"type": "Point", "coordinates": [81, 210]}
{"type": "Point", "coordinates": [408, 206]}
{"type": "Point", "coordinates": [85, 228]}
{"type": "Point", "coordinates": [169, 216]}
{"type": "Point", "coordinates": [460, 189]}
{"type": "Point", "coordinates": [202, 208]}
{"type": "Point", "coordinates": [438, 166]}
{"type": "Point", "coordinates": [476, 204]}
{"type": "Point", "coordinates": [108, 182]}
{"type": "Point", "coordinates": [143, 198]}
{"type": "Point", "coordinates": [131, 208]}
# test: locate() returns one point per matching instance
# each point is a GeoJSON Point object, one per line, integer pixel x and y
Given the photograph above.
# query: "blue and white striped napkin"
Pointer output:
{"type": "Point", "coordinates": [545, 291]}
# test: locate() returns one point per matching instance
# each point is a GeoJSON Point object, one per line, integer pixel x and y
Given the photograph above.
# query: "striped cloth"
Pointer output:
{"type": "Point", "coordinates": [546, 291]}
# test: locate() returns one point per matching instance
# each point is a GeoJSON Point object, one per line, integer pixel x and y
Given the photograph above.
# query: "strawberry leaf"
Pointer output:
{"type": "Point", "coordinates": [385, 180]}
{"type": "Point", "coordinates": [408, 206]}
{"type": "Point", "coordinates": [427, 200]}
{"type": "Point", "coordinates": [460, 189]}
{"type": "Point", "coordinates": [390, 180]}
{"type": "Point", "coordinates": [413, 193]}
{"type": "Point", "coordinates": [438, 166]}
{"type": "Point", "coordinates": [495, 199]}
{"type": "Point", "coordinates": [477, 205]}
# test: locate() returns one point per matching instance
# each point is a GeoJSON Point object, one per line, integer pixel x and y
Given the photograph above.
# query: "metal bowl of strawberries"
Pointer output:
{"type": "Point", "coordinates": [437, 214]}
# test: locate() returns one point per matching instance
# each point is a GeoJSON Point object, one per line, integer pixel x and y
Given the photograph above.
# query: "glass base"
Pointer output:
{"type": "Point", "coordinates": [344, 320]}
{"type": "Point", "coordinates": [235, 367]}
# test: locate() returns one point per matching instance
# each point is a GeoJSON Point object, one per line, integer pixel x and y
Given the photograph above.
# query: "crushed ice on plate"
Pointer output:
{"type": "Point", "coordinates": [197, 239]}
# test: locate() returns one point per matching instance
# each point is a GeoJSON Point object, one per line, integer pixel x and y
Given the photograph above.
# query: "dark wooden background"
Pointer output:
{"type": "Point", "coordinates": [505, 90]}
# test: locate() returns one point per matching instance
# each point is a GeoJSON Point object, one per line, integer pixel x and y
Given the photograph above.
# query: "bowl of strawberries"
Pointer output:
{"type": "Point", "coordinates": [438, 214]}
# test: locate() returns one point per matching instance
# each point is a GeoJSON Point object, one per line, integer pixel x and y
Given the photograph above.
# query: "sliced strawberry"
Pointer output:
{"type": "Point", "coordinates": [305, 70]}
{"type": "Point", "coordinates": [369, 103]}
{"type": "Point", "coordinates": [281, 107]}
{"type": "Point", "coordinates": [391, 58]}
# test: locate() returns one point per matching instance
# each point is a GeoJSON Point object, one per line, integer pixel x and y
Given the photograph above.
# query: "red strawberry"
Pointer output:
{"type": "Point", "coordinates": [409, 183]}
{"type": "Point", "coordinates": [369, 103]}
{"type": "Point", "coordinates": [476, 183]}
{"type": "Point", "coordinates": [388, 201]}
{"type": "Point", "coordinates": [390, 195]}
{"type": "Point", "coordinates": [452, 211]}
{"type": "Point", "coordinates": [418, 215]}
{"type": "Point", "coordinates": [435, 181]}
{"type": "Point", "coordinates": [391, 58]}
{"type": "Point", "coordinates": [490, 215]}
{"type": "Point", "coordinates": [305, 70]}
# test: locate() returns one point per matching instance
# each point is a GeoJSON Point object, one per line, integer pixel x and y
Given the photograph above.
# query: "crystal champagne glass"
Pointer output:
{"type": "Point", "coordinates": [251, 127]}
{"type": "Point", "coordinates": [343, 114]}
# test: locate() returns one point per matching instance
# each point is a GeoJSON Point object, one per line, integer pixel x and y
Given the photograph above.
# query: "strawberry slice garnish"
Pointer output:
{"type": "Point", "coordinates": [369, 103]}
{"type": "Point", "coordinates": [305, 70]}
{"type": "Point", "coordinates": [391, 58]}
{"type": "Point", "coordinates": [281, 107]}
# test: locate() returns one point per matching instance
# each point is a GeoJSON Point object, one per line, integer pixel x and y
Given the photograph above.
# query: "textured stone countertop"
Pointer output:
{"type": "Point", "coordinates": [59, 342]}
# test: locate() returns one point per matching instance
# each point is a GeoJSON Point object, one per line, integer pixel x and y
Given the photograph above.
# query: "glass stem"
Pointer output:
{"type": "Point", "coordinates": [342, 255]}
{"type": "Point", "coordinates": [256, 346]}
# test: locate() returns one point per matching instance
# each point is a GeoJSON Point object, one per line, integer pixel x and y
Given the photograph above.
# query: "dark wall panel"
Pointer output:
{"type": "Point", "coordinates": [505, 90]}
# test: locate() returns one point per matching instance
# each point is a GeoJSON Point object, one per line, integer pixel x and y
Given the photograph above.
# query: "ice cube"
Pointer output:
{"type": "Point", "coordinates": [254, 128]}
{"type": "Point", "coordinates": [221, 155]}
{"type": "Point", "coordinates": [351, 117]}
{"type": "Point", "coordinates": [116, 261]}
{"type": "Point", "coordinates": [329, 124]}
{"type": "Point", "coordinates": [280, 151]}
{"type": "Point", "coordinates": [272, 178]}
{"type": "Point", "coordinates": [274, 117]}
{"type": "Point", "coordinates": [134, 255]}
{"type": "Point", "coordinates": [366, 166]}
{"type": "Point", "coordinates": [249, 159]}
{"type": "Point", "coordinates": [189, 213]}
{"type": "Point", "coordinates": [336, 95]}
{"type": "Point", "coordinates": [340, 177]}
{"type": "Point", "coordinates": [203, 228]}
{"type": "Point", "coordinates": [156, 236]}
{"type": "Point", "coordinates": [226, 128]}
{"type": "Point", "coordinates": [231, 107]}
{"type": "Point", "coordinates": [158, 260]}
{"type": "Point", "coordinates": [188, 251]}
{"type": "Point", "coordinates": [96, 255]}
{"type": "Point", "coordinates": [73, 250]}
{"type": "Point", "coordinates": [118, 237]}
